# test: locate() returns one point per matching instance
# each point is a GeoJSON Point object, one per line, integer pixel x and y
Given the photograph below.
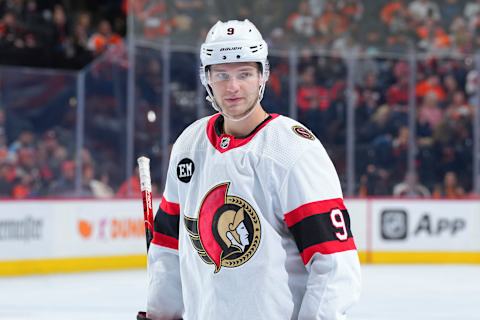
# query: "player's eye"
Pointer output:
{"type": "Point", "coordinates": [244, 75]}
{"type": "Point", "coordinates": [221, 76]}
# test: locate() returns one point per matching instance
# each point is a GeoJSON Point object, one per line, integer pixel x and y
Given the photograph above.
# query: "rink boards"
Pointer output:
{"type": "Point", "coordinates": [50, 236]}
{"type": "Point", "coordinates": [416, 231]}
{"type": "Point", "coordinates": [68, 236]}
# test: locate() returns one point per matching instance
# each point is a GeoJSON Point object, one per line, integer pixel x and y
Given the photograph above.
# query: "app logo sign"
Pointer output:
{"type": "Point", "coordinates": [394, 224]}
{"type": "Point", "coordinates": [429, 226]}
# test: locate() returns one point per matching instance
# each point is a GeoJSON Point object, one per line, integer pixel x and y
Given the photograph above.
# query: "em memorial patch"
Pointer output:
{"type": "Point", "coordinates": [185, 169]}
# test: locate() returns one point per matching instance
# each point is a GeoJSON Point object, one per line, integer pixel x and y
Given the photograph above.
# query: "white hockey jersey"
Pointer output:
{"type": "Point", "coordinates": [251, 228]}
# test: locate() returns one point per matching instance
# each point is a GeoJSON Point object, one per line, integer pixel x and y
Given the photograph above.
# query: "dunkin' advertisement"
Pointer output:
{"type": "Point", "coordinates": [104, 228]}
{"type": "Point", "coordinates": [75, 228]}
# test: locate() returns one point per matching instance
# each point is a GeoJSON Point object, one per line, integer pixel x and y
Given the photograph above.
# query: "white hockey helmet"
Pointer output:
{"type": "Point", "coordinates": [233, 41]}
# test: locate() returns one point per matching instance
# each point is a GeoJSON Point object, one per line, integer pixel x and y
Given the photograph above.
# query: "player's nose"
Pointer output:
{"type": "Point", "coordinates": [233, 84]}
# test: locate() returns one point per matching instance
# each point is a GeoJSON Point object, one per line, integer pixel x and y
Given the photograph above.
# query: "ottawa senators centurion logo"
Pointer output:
{"type": "Point", "coordinates": [227, 231]}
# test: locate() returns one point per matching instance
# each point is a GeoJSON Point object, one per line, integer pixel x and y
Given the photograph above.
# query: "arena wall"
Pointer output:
{"type": "Point", "coordinates": [53, 236]}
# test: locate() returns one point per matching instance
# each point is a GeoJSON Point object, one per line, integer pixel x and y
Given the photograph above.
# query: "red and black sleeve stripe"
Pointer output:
{"type": "Point", "coordinates": [166, 224]}
{"type": "Point", "coordinates": [313, 228]}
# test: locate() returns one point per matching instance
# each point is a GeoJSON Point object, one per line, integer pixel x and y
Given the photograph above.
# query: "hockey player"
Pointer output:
{"type": "Point", "coordinates": [252, 223]}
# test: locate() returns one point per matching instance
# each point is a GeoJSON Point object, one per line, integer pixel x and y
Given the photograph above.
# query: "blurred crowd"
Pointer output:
{"type": "Point", "coordinates": [57, 34]}
{"type": "Point", "coordinates": [38, 166]}
{"type": "Point", "coordinates": [67, 33]}
{"type": "Point", "coordinates": [445, 100]}
{"type": "Point", "coordinates": [450, 26]}
{"type": "Point", "coordinates": [37, 153]}
{"type": "Point", "coordinates": [39, 160]}
{"type": "Point", "coordinates": [445, 104]}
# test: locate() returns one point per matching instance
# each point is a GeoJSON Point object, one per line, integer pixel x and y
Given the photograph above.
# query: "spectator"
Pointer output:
{"type": "Point", "coordinates": [395, 15]}
{"type": "Point", "coordinates": [11, 32]}
{"type": "Point", "coordinates": [65, 184]}
{"type": "Point", "coordinates": [13, 6]}
{"type": "Point", "coordinates": [423, 9]}
{"type": "Point", "coordinates": [311, 96]}
{"type": "Point", "coordinates": [397, 93]}
{"type": "Point", "coordinates": [130, 187]}
{"type": "Point", "coordinates": [429, 112]}
{"type": "Point", "coordinates": [104, 38]}
{"type": "Point", "coordinates": [7, 178]}
{"type": "Point", "coordinates": [81, 54]}
{"type": "Point", "coordinates": [381, 133]}
{"type": "Point", "coordinates": [432, 36]}
{"type": "Point", "coordinates": [32, 16]}
{"type": "Point", "coordinates": [431, 85]}
{"type": "Point", "coordinates": [152, 17]}
{"type": "Point", "coordinates": [60, 30]}
{"type": "Point", "coordinates": [26, 139]}
{"type": "Point", "coordinates": [472, 9]}
{"type": "Point", "coordinates": [313, 100]}
{"type": "Point", "coordinates": [379, 124]}
{"type": "Point", "coordinates": [188, 18]}
{"type": "Point", "coordinates": [352, 9]}
{"type": "Point", "coordinates": [331, 24]}
{"type": "Point", "coordinates": [373, 43]}
{"type": "Point", "coordinates": [317, 7]}
{"type": "Point", "coordinates": [374, 182]}
{"type": "Point", "coordinates": [460, 36]}
{"type": "Point", "coordinates": [23, 188]}
{"type": "Point", "coordinates": [51, 155]}
{"type": "Point", "coordinates": [301, 23]}
{"type": "Point", "coordinates": [370, 91]}
{"type": "Point", "coordinates": [450, 10]}
{"type": "Point", "coordinates": [28, 173]}
{"type": "Point", "coordinates": [411, 188]}
{"type": "Point", "coordinates": [450, 188]}
{"type": "Point", "coordinates": [450, 84]}
{"type": "Point", "coordinates": [346, 45]}
{"type": "Point", "coordinates": [399, 42]}
{"type": "Point", "coordinates": [459, 109]}
{"type": "Point", "coordinates": [99, 187]}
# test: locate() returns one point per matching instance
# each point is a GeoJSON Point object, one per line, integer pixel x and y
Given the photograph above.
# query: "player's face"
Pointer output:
{"type": "Point", "coordinates": [235, 87]}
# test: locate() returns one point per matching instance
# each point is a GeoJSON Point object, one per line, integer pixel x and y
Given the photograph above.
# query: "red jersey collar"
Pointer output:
{"type": "Point", "coordinates": [225, 142]}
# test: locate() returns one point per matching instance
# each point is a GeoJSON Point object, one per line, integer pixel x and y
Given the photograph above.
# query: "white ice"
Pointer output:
{"type": "Point", "coordinates": [403, 292]}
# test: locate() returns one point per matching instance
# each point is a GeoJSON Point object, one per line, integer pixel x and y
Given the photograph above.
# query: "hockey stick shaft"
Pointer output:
{"type": "Point", "coordinates": [146, 188]}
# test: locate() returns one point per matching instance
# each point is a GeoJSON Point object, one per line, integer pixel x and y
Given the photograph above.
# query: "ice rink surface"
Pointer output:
{"type": "Point", "coordinates": [404, 292]}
